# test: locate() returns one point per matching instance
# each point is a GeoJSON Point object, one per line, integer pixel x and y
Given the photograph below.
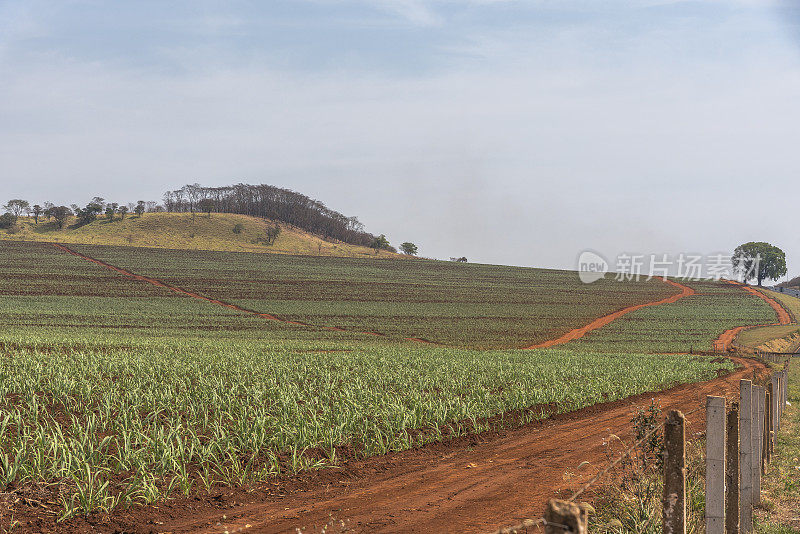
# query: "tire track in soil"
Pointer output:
{"type": "Point", "coordinates": [727, 338]}
{"type": "Point", "coordinates": [472, 484]}
{"type": "Point", "coordinates": [184, 292]}
{"type": "Point", "coordinates": [600, 322]}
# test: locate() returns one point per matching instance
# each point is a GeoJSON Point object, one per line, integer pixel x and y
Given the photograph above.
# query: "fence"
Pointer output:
{"type": "Point", "coordinates": [740, 440]}
{"type": "Point", "coordinates": [774, 357]}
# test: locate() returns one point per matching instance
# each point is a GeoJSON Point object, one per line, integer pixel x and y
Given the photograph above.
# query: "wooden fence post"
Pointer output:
{"type": "Point", "coordinates": [746, 455]}
{"type": "Point", "coordinates": [732, 472]}
{"type": "Point", "coordinates": [715, 465]}
{"type": "Point", "coordinates": [674, 501]}
{"type": "Point", "coordinates": [758, 441]}
{"type": "Point", "coordinates": [564, 517]}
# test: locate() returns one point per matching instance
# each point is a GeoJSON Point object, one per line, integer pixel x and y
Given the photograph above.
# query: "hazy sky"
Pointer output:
{"type": "Point", "coordinates": [517, 132]}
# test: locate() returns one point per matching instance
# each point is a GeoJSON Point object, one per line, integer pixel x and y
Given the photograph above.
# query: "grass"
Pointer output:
{"type": "Point", "coordinates": [774, 338]}
{"type": "Point", "coordinates": [781, 485]}
{"type": "Point", "coordinates": [761, 337]}
{"type": "Point", "coordinates": [184, 231]}
{"type": "Point", "coordinates": [693, 322]}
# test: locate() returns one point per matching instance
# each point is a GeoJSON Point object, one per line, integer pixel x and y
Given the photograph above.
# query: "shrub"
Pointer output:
{"type": "Point", "coordinates": [7, 220]}
{"type": "Point", "coordinates": [237, 228]}
{"type": "Point", "coordinates": [651, 449]}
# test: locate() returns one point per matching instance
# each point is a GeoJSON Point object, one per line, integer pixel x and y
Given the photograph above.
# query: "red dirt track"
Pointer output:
{"type": "Point", "coordinates": [472, 484]}
{"type": "Point", "coordinates": [603, 321]}
{"type": "Point", "coordinates": [184, 292]}
{"type": "Point", "coordinates": [726, 340]}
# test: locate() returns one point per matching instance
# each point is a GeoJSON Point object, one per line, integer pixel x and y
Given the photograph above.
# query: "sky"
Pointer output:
{"type": "Point", "coordinates": [508, 131]}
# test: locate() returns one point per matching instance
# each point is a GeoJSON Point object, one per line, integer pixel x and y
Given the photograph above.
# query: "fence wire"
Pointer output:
{"type": "Point", "coordinates": [523, 526]}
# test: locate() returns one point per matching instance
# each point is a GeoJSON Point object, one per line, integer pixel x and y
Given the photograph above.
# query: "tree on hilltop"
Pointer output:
{"type": "Point", "coordinates": [139, 209]}
{"type": "Point", "coordinates": [206, 206]}
{"type": "Point", "coordinates": [111, 209]}
{"type": "Point", "coordinates": [759, 260]}
{"type": "Point", "coordinates": [381, 243]}
{"type": "Point", "coordinates": [409, 248]}
{"type": "Point", "coordinates": [36, 210]}
{"type": "Point", "coordinates": [17, 207]}
{"type": "Point", "coordinates": [61, 214]}
{"type": "Point", "coordinates": [90, 212]}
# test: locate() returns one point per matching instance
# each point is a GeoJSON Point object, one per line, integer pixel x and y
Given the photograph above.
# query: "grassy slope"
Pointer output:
{"type": "Point", "coordinates": [781, 485]}
{"type": "Point", "coordinates": [183, 231]}
{"type": "Point", "coordinates": [774, 338]}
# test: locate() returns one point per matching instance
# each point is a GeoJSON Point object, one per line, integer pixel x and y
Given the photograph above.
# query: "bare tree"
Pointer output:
{"type": "Point", "coordinates": [275, 204]}
{"type": "Point", "coordinates": [17, 207]}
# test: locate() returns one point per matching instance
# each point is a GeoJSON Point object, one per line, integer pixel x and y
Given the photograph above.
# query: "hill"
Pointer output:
{"type": "Point", "coordinates": [192, 232]}
{"type": "Point", "coordinates": [794, 283]}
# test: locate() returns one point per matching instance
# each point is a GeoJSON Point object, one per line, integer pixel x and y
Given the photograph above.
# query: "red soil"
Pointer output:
{"type": "Point", "coordinates": [603, 321]}
{"type": "Point", "coordinates": [470, 484]}
{"type": "Point", "coordinates": [726, 340]}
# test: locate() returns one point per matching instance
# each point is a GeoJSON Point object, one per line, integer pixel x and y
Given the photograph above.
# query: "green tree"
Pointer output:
{"type": "Point", "coordinates": [139, 209]}
{"type": "Point", "coordinates": [381, 243]}
{"type": "Point", "coordinates": [272, 234]}
{"type": "Point", "coordinates": [409, 248]}
{"type": "Point", "coordinates": [111, 209]}
{"type": "Point", "coordinates": [759, 260]}
{"type": "Point", "coordinates": [89, 213]}
{"type": "Point", "coordinates": [37, 210]}
{"type": "Point", "coordinates": [17, 207]}
{"type": "Point", "coordinates": [122, 210]}
{"type": "Point", "coordinates": [61, 214]}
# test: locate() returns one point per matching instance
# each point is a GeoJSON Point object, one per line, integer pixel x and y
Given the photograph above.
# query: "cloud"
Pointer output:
{"type": "Point", "coordinates": [530, 141]}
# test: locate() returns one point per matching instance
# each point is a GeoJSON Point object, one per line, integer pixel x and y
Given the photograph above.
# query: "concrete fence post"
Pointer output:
{"type": "Point", "coordinates": [564, 517]}
{"type": "Point", "coordinates": [767, 450]}
{"type": "Point", "coordinates": [758, 441]}
{"type": "Point", "coordinates": [732, 472]}
{"type": "Point", "coordinates": [674, 501]}
{"type": "Point", "coordinates": [785, 386]}
{"type": "Point", "coordinates": [776, 416]}
{"type": "Point", "coordinates": [771, 420]}
{"type": "Point", "coordinates": [746, 455]}
{"type": "Point", "coordinates": [715, 465]}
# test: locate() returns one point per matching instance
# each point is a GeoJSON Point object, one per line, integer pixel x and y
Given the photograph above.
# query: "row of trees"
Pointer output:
{"type": "Point", "coordinates": [264, 201]}
{"type": "Point", "coordinates": [275, 203]}
{"type": "Point", "coordinates": [15, 208]}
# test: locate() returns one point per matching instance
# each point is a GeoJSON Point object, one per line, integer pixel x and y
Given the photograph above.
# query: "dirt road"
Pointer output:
{"type": "Point", "coordinates": [471, 484]}
{"type": "Point", "coordinates": [603, 321]}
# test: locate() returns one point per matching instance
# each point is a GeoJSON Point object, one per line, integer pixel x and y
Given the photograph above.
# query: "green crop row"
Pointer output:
{"type": "Point", "coordinates": [476, 306]}
{"type": "Point", "coordinates": [117, 424]}
{"type": "Point", "coordinates": [692, 323]}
